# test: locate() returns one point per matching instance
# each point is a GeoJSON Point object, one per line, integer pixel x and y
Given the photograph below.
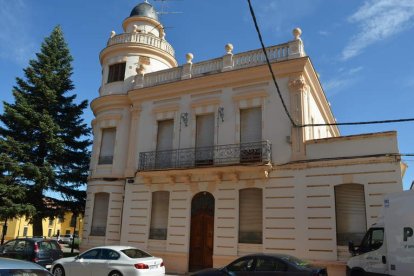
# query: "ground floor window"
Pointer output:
{"type": "Point", "coordinates": [351, 221]}
{"type": "Point", "coordinates": [250, 215]}
{"type": "Point", "coordinates": [159, 215]}
{"type": "Point", "coordinates": [100, 214]}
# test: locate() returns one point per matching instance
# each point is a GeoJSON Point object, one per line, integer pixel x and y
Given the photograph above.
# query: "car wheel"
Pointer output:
{"type": "Point", "coordinates": [115, 273]}
{"type": "Point", "coordinates": [58, 271]}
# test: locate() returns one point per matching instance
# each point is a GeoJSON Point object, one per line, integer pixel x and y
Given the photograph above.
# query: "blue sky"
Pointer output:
{"type": "Point", "coordinates": [362, 50]}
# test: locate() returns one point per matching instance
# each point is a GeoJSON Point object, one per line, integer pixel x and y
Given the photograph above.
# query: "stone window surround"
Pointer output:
{"type": "Point", "coordinates": [245, 100]}
{"type": "Point", "coordinates": [98, 124]}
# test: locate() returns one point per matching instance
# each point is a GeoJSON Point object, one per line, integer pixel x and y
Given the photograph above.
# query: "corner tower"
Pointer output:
{"type": "Point", "coordinates": [142, 47]}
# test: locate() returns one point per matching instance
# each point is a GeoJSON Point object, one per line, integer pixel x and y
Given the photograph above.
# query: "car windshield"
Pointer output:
{"type": "Point", "coordinates": [135, 253]}
{"type": "Point", "coordinates": [296, 261]}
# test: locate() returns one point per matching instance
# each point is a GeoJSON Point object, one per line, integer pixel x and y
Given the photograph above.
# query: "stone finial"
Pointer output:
{"type": "Point", "coordinates": [229, 48]}
{"type": "Point", "coordinates": [297, 33]}
{"type": "Point", "coordinates": [189, 58]}
{"type": "Point", "coordinates": [113, 34]}
{"type": "Point", "coordinates": [162, 33]}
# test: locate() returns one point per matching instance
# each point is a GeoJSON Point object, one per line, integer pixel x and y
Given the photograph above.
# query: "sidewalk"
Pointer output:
{"type": "Point", "coordinates": [66, 248]}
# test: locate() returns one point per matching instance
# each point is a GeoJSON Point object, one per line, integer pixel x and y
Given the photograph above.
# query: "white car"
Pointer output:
{"type": "Point", "coordinates": [67, 238]}
{"type": "Point", "coordinates": [111, 261]}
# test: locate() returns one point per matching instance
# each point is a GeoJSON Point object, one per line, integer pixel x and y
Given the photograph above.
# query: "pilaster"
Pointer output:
{"type": "Point", "coordinates": [132, 161]}
{"type": "Point", "coordinates": [297, 88]}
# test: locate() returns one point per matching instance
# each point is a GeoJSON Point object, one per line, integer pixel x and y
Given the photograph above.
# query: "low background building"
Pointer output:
{"type": "Point", "coordinates": [21, 227]}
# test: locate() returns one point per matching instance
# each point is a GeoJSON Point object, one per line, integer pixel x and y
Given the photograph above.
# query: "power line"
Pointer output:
{"type": "Point", "coordinates": [283, 102]}
{"type": "Point", "coordinates": [360, 123]}
{"type": "Point", "coordinates": [268, 63]}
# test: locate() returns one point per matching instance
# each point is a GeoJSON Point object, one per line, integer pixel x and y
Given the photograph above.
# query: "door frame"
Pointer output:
{"type": "Point", "coordinates": [207, 207]}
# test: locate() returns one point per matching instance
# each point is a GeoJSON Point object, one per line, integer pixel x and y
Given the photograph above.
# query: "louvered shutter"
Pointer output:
{"type": "Point", "coordinates": [159, 215]}
{"type": "Point", "coordinates": [106, 154]}
{"type": "Point", "coordinates": [251, 125]}
{"type": "Point", "coordinates": [250, 215]}
{"type": "Point", "coordinates": [165, 135]}
{"type": "Point", "coordinates": [205, 131]}
{"type": "Point", "coordinates": [100, 214]}
{"type": "Point", "coordinates": [350, 213]}
{"type": "Point", "coordinates": [204, 139]}
{"type": "Point", "coordinates": [164, 156]}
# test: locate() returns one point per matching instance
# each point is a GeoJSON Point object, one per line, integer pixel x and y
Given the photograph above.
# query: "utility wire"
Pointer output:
{"type": "Point", "coordinates": [283, 102]}
{"type": "Point", "coordinates": [268, 63]}
{"type": "Point", "coordinates": [360, 123]}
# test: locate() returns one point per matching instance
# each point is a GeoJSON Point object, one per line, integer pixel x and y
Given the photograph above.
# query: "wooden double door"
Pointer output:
{"type": "Point", "coordinates": [202, 231]}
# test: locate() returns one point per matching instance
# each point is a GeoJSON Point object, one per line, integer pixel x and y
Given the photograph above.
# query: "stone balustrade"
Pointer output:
{"type": "Point", "coordinates": [139, 38]}
{"type": "Point", "coordinates": [225, 63]}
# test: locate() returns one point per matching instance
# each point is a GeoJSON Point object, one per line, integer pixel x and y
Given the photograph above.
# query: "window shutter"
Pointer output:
{"type": "Point", "coordinates": [100, 214]}
{"type": "Point", "coordinates": [205, 139]}
{"type": "Point", "coordinates": [159, 215]}
{"type": "Point", "coordinates": [350, 213]}
{"type": "Point", "coordinates": [251, 125]}
{"type": "Point", "coordinates": [165, 135]}
{"type": "Point", "coordinates": [250, 215]}
{"type": "Point", "coordinates": [116, 72]}
{"type": "Point", "coordinates": [205, 131]}
{"type": "Point", "coordinates": [106, 154]}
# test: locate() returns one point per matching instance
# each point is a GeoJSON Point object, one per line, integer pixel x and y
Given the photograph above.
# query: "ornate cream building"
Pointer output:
{"type": "Point", "coordinates": [199, 163]}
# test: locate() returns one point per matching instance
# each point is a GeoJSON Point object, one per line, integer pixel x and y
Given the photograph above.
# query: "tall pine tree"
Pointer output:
{"type": "Point", "coordinates": [43, 136]}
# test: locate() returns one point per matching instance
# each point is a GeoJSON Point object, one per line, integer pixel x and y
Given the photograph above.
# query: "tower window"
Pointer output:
{"type": "Point", "coordinates": [106, 154]}
{"type": "Point", "coordinates": [116, 72]}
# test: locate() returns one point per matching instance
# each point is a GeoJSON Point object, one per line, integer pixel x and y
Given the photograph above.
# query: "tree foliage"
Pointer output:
{"type": "Point", "coordinates": [43, 137]}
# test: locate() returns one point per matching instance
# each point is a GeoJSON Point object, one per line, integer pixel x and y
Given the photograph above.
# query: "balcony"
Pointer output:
{"type": "Point", "coordinates": [143, 39]}
{"type": "Point", "coordinates": [222, 155]}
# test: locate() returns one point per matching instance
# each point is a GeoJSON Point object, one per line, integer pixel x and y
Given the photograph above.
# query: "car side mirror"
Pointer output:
{"type": "Point", "coordinates": [351, 248]}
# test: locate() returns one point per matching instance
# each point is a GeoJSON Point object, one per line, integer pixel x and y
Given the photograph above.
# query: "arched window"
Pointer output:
{"type": "Point", "coordinates": [351, 221]}
{"type": "Point", "coordinates": [100, 214]}
{"type": "Point", "coordinates": [250, 215]}
{"type": "Point", "coordinates": [159, 215]}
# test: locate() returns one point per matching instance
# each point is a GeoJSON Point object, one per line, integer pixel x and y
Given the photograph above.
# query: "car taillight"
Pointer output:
{"type": "Point", "coordinates": [141, 266]}
{"type": "Point", "coordinates": [162, 264]}
{"type": "Point", "coordinates": [36, 248]}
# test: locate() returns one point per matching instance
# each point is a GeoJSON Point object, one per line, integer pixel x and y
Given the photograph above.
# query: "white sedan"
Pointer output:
{"type": "Point", "coordinates": [111, 261]}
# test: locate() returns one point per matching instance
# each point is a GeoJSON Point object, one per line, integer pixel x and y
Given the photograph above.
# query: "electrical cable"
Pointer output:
{"type": "Point", "coordinates": [283, 102]}
{"type": "Point", "coordinates": [361, 123]}
{"type": "Point", "coordinates": [268, 63]}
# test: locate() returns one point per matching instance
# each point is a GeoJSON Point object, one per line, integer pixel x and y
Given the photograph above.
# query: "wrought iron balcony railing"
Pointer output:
{"type": "Point", "coordinates": [223, 155]}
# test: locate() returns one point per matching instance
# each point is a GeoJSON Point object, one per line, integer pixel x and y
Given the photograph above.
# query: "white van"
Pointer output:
{"type": "Point", "coordinates": [388, 246]}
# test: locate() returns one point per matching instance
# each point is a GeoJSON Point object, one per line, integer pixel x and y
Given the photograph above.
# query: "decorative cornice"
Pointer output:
{"type": "Point", "coordinates": [218, 173]}
{"type": "Point", "coordinates": [109, 102]}
{"type": "Point", "coordinates": [250, 95]}
{"type": "Point", "coordinates": [235, 78]}
{"type": "Point", "coordinates": [166, 108]}
{"type": "Point", "coordinates": [205, 102]}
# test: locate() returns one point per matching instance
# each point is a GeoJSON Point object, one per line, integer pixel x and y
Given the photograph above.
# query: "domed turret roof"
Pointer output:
{"type": "Point", "coordinates": [144, 9]}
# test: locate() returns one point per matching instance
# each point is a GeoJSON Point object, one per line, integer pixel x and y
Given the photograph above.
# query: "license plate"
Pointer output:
{"type": "Point", "coordinates": [48, 266]}
{"type": "Point", "coordinates": [153, 266]}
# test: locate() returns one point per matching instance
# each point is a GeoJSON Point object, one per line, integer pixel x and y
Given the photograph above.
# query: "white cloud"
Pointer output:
{"type": "Point", "coordinates": [343, 80]}
{"type": "Point", "coordinates": [378, 20]}
{"type": "Point", "coordinates": [15, 43]}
